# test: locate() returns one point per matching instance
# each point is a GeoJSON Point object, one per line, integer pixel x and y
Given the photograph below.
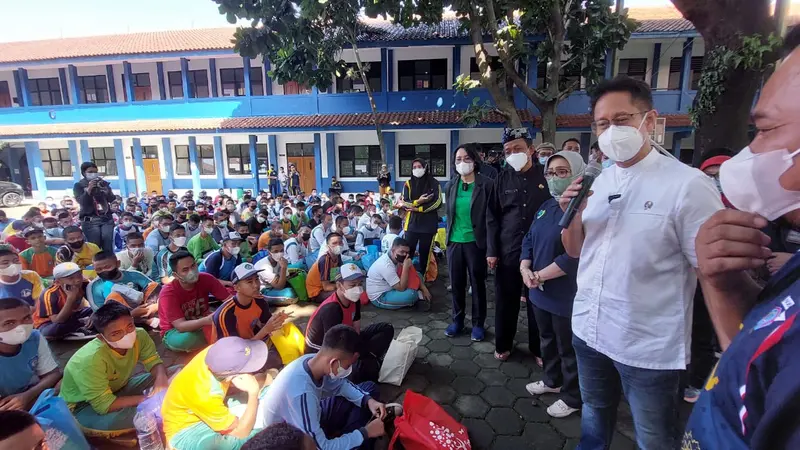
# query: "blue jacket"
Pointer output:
{"type": "Point", "coordinates": [542, 245]}
{"type": "Point", "coordinates": [212, 265]}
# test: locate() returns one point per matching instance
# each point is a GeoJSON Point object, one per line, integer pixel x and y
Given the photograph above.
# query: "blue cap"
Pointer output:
{"type": "Point", "coordinates": [234, 355]}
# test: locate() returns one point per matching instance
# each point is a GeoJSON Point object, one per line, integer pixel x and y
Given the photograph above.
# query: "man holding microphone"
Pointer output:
{"type": "Point", "coordinates": [635, 237]}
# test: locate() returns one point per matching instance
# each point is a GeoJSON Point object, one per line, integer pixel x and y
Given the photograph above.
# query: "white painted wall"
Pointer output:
{"type": "Point", "coordinates": [289, 138]}
{"type": "Point", "coordinates": [432, 52]}
{"type": "Point", "coordinates": [480, 135]}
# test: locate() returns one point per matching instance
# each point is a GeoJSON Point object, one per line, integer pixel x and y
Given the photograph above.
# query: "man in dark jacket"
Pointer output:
{"type": "Point", "coordinates": [94, 195]}
{"type": "Point", "coordinates": [517, 194]}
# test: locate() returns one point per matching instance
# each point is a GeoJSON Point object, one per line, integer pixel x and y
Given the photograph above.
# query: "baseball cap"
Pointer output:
{"type": "Point", "coordinates": [234, 355]}
{"type": "Point", "coordinates": [350, 272]}
{"type": "Point", "coordinates": [244, 271]}
{"type": "Point", "coordinates": [233, 236]}
{"type": "Point", "coordinates": [30, 230]}
{"type": "Point", "coordinates": [65, 269]}
{"type": "Point", "coordinates": [714, 161]}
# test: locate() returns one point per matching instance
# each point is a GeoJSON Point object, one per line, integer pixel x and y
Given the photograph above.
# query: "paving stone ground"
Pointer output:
{"type": "Point", "coordinates": [486, 395]}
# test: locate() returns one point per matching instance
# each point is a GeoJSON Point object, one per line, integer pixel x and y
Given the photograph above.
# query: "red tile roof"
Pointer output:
{"type": "Point", "coordinates": [320, 122]}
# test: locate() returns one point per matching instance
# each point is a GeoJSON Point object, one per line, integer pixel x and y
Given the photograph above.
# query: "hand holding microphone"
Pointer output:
{"type": "Point", "coordinates": [575, 198]}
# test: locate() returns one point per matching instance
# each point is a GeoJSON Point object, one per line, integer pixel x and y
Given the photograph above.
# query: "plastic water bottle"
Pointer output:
{"type": "Point", "coordinates": [147, 432]}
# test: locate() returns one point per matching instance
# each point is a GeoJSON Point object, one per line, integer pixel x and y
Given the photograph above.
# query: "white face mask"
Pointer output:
{"type": "Point", "coordinates": [179, 241]}
{"type": "Point", "coordinates": [346, 230]}
{"type": "Point", "coordinates": [164, 228]}
{"type": "Point", "coordinates": [17, 335]}
{"type": "Point", "coordinates": [621, 143]}
{"type": "Point", "coordinates": [125, 343]}
{"type": "Point", "coordinates": [234, 250]}
{"type": "Point", "coordinates": [341, 372]}
{"type": "Point", "coordinates": [751, 183]}
{"type": "Point", "coordinates": [11, 271]}
{"type": "Point", "coordinates": [92, 176]}
{"type": "Point", "coordinates": [336, 250]}
{"type": "Point", "coordinates": [261, 219]}
{"type": "Point", "coordinates": [517, 160]}
{"type": "Point", "coordinates": [465, 168]}
{"type": "Point", "coordinates": [277, 256]}
{"type": "Point", "coordinates": [127, 223]}
{"type": "Point", "coordinates": [418, 172]}
{"type": "Point", "coordinates": [208, 230]}
{"type": "Point", "coordinates": [354, 293]}
{"type": "Point", "coordinates": [135, 251]}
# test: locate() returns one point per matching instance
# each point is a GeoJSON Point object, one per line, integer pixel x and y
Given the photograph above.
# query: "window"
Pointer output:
{"type": "Point", "coordinates": [569, 74]}
{"type": "Point", "coordinates": [635, 68]}
{"type": "Point", "coordinates": [233, 81]}
{"type": "Point", "coordinates": [263, 159]}
{"type": "Point", "coordinates": [475, 71]}
{"type": "Point", "coordinates": [257, 80]}
{"type": "Point", "coordinates": [359, 160]}
{"type": "Point", "coordinates": [294, 88]}
{"type": "Point", "coordinates": [435, 154]}
{"type": "Point", "coordinates": [422, 74]}
{"type": "Point", "coordinates": [141, 87]}
{"type": "Point", "coordinates": [344, 84]}
{"type": "Point", "coordinates": [5, 95]}
{"type": "Point", "coordinates": [238, 159]}
{"type": "Point", "coordinates": [56, 162]}
{"type": "Point", "coordinates": [198, 84]}
{"type": "Point", "coordinates": [93, 89]}
{"type": "Point", "coordinates": [45, 91]}
{"type": "Point", "coordinates": [149, 152]}
{"type": "Point", "coordinates": [696, 67]}
{"type": "Point", "coordinates": [300, 149]}
{"type": "Point", "coordinates": [106, 160]}
{"type": "Point", "coordinates": [205, 159]}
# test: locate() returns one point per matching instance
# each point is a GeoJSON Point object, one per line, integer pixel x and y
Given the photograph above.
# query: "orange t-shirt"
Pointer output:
{"type": "Point", "coordinates": [264, 239]}
{"type": "Point", "coordinates": [51, 303]}
{"type": "Point", "coordinates": [146, 232]}
{"type": "Point", "coordinates": [325, 268]}
{"type": "Point", "coordinates": [233, 319]}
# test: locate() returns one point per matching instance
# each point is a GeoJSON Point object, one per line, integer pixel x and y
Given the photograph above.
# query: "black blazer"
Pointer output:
{"type": "Point", "coordinates": [480, 196]}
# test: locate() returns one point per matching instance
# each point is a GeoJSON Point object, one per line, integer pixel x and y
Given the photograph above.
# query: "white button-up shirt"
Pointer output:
{"type": "Point", "coordinates": [636, 277]}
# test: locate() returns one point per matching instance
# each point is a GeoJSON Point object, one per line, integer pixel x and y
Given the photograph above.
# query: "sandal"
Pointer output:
{"type": "Point", "coordinates": [502, 356]}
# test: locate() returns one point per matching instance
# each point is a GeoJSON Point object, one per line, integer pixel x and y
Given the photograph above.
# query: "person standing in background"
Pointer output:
{"type": "Point", "coordinates": [94, 195]}
{"type": "Point", "coordinates": [282, 180]}
{"type": "Point", "coordinates": [422, 196]}
{"type": "Point", "coordinates": [294, 180]}
{"type": "Point", "coordinates": [384, 180]}
{"type": "Point", "coordinates": [544, 151]}
{"type": "Point", "coordinates": [515, 197]}
{"type": "Point", "coordinates": [272, 180]}
{"type": "Point", "coordinates": [466, 240]}
{"type": "Point", "coordinates": [571, 145]}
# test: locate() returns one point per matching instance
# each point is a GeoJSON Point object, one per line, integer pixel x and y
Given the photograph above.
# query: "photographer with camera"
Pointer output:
{"type": "Point", "coordinates": [94, 195]}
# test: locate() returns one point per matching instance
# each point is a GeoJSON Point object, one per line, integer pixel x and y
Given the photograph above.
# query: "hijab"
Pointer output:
{"type": "Point", "coordinates": [424, 184]}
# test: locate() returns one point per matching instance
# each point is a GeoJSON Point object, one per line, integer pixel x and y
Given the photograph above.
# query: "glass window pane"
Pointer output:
{"type": "Point", "coordinates": [207, 166]}
{"type": "Point", "coordinates": [182, 166]}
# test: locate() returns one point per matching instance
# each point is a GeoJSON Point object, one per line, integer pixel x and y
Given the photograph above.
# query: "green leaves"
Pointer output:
{"type": "Point", "coordinates": [464, 84]}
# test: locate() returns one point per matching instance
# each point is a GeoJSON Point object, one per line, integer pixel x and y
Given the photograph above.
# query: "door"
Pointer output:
{"type": "Point", "coordinates": [152, 175]}
{"type": "Point", "coordinates": [5, 95]}
{"type": "Point", "coordinates": [305, 165]}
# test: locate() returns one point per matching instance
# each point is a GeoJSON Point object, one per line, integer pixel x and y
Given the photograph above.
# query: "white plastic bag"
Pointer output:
{"type": "Point", "coordinates": [400, 356]}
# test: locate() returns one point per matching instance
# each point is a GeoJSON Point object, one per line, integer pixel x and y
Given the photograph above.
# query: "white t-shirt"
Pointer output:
{"type": "Point", "coordinates": [387, 241]}
{"type": "Point", "coordinates": [382, 276]}
{"type": "Point", "coordinates": [269, 273]}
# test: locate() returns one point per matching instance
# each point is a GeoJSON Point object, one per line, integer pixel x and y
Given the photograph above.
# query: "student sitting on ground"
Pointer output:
{"type": "Point", "coordinates": [159, 237]}
{"type": "Point", "coordinates": [59, 311]}
{"type": "Point", "coordinates": [386, 288]}
{"type": "Point", "coordinates": [221, 226]}
{"type": "Point", "coordinates": [296, 396]}
{"type": "Point", "coordinates": [28, 364]}
{"type": "Point", "coordinates": [275, 232]}
{"type": "Point", "coordinates": [136, 256]}
{"type": "Point", "coordinates": [77, 250]}
{"type": "Point", "coordinates": [15, 282]}
{"type": "Point", "coordinates": [203, 243]}
{"type": "Point", "coordinates": [20, 431]}
{"type": "Point", "coordinates": [183, 312]}
{"type": "Point", "coordinates": [321, 279]}
{"type": "Point", "coordinates": [249, 243]}
{"type": "Point", "coordinates": [111, 279]}
{"type": "Point", "coordinates": [125, 226]}
{"type": "Point", "coordinates": [370, 234]}
{"type": "Point", "coordinates": [177, 241]}
{"type": "Point", "coordinates": [395, 230]}
{"type": "Point", "coordinates": [286, 223]}
{"type": "Point", "coordinates": [39, 257]}
{"type": "Point", "coordinates": [321, 232]}
{"type": "Point", "coordinates": [296, 249]}
{"type": "Point", "coordinates": [98, 381]}
{"type": "Point", "coordinates": [246, 314]}
{"type": "Point", "coordinates": [280, 436]}
{"type": "Point", "coordinates": [195, 413]}
{"type": "Point", "coordinates": [220, 263]}
{"type": "Point", "coordinates": [344, 307]}
{"type": "Point", "coordinates": [274, 275]}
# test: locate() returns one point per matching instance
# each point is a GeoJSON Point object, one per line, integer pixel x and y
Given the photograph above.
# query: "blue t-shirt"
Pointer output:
{"type": "Point", "coordinates": [99, 289]}
{"type": "Point", "coordinates": [217, 265]}
{"type": "Point", "coordinates": [23, 369]}
{"type": "Point", "coordinates": [29, 287]}
{"type": "Point", "coordinates": [752, 398]}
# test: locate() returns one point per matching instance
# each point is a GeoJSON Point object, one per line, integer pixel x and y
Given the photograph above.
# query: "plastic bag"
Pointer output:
{"type": "Point", "coordinates": [400, 356]}
{"type": "Point", "coordinates": [61, 430]}
{"type": "Point", "coordinates": [289, 342]}
{"type": "Point", "coordinates": [298, 283]}
{"type": "Point", "coordinates": [368, 260]}
{"type": "Point", "coordinates": [426, 426]}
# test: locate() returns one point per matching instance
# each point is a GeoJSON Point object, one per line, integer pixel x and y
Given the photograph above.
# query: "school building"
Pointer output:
{"type": "Point", "coordinates": [179, 109]}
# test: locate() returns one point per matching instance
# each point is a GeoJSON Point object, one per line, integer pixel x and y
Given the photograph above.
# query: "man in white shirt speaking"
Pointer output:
{"type": "Point", "coordinates": [635, 236]}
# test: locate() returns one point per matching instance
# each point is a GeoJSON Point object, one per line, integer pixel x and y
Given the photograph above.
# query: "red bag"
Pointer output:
{"type": "Point", "coordinates": [426, 426]}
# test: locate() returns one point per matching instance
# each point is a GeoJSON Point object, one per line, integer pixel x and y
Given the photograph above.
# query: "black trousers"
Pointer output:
{"type": "Point", "coordinates": [558, 355]}
{"type": "Point", "coordinates": [508, 290]}
{"type": "Point", "coordinates": [467, 260]}
{"type": "Point", "coordinates": [375, 341]}
{"type": "Point", "coordinates": [100, 231]}
{"type": "Point", "coordinates": [703, 359]}
{"type": "Point", "coordinates": [425, 241]}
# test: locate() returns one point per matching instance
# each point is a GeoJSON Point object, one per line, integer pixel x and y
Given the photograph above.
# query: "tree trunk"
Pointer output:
{"type": "Point", "coordinates": [722, 23]}
{"type": "Point", "coordinates": [373, 107]}
{"type": "Point", "coordinates": [548, 112]}
{"type": "Point", "coordinates": [502, 100]}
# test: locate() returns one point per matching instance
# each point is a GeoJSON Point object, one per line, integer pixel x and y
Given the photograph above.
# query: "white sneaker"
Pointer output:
{"type": "Point", "coordinates": [560, 409]}
{"type": "Point", "coordinates": [539, 388]}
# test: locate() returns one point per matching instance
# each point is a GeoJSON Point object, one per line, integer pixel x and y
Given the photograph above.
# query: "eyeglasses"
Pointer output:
{"type": "Point", "coordinates": [560, 172]}
{"type": "Point", "coordinates": [599, 126]}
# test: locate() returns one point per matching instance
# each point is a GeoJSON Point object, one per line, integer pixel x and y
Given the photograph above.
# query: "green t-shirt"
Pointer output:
{"type": "Point", "coordinates": [462, 231]}
{"type": "Point", "coordinates": [199, 246]}
{"type": "Point", "coordinates": [96, 371]}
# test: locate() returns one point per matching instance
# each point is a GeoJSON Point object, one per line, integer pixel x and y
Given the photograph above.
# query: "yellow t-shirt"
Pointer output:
{"type": "Point", "coordinates": [195, 395]}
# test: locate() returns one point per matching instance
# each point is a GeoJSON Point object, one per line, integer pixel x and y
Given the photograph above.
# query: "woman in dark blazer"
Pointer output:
{"type": "Point", "coordinates": [467, 194]}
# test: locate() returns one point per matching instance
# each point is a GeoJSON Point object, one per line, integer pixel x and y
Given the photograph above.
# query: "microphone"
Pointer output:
{"type": "Point", "coordinates": [591, 173]}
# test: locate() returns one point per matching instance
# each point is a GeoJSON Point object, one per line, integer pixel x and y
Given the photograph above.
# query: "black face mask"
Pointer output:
{"type": "Point", "coordinates": [252, 208]}
{"type": "Point", "coordinates": [108, 275]}
{"type": "Point", "coordinates": [306, 236]}
{"type": "Point", "coordinates": [244, 235]}
{"type": "Point", "coordinates": [400, 258]}
{"type": "Point", "coordinates": [76, 245]}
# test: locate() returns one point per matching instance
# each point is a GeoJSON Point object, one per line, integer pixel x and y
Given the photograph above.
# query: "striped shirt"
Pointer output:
{"type": "Point", "coordinates": [234, 319]}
